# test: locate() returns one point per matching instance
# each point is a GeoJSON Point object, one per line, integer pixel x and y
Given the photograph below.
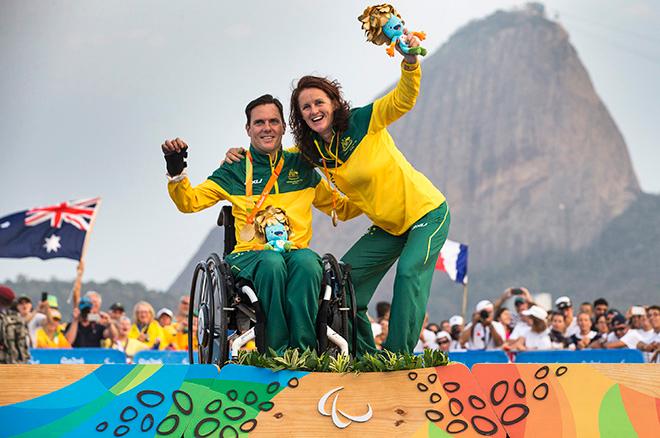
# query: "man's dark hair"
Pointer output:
{"type": "Point", "coordinates": [653, 307]}
{"type": "Point", "coordinates": [263, 100]}
{"type": "Point", "coordinates": [382, 308]}
{"type": "Point", "coordinates": [600, 301]}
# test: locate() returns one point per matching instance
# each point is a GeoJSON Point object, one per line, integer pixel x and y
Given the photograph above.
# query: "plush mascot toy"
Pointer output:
{"type": "Point", "coordinates": [272, 227]}
{"type": "Point", "coordinates": [382, 24]}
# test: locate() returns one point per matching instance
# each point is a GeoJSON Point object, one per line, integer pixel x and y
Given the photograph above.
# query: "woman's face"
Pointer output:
{"type": "Point", "coordinates": [505, 318]}
{"type": "Point", "coordinates": [584, 322]}
{"type": "Point", "coordinates": [317, 110]}
{"type": "Point", "coordinates": [143, 314]}
{"type": "Point", "coordinates": [601, 324]}
{"type": "Point", "coordinates": [558, 323]}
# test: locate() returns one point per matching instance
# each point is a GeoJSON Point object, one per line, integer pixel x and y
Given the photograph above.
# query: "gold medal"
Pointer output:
{"type": "Point", "coordinates": [334, 217]}
{"type": "Point", "coordinates": [247, 232]}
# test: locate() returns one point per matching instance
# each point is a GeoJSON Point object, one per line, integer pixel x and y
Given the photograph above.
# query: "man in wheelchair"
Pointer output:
{"type": "Point", "coordinates": [286, 282]}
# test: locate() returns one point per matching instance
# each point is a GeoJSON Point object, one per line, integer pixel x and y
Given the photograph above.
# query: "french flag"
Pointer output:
{"type": "Point", "coordinates": [453, 259]}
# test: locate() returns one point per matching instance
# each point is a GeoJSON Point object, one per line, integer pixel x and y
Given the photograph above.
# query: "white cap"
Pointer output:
{"type": "Point", "coordinates": [377, 329]}
{"type": "Point", "coordinates": [563, 302]}
{"type": "Point", "coordinates": [536, 312]}
{"type": "Point", "coordinates": [164, 311]}
{"type": "Point", "coordinates": [637, 311]}
{"type": "Point", "coordinates": [456, 320]}
{"type": "Point", "coordinates": [483, 305]}
{"type": "Point", "coordinates": [442, 334]}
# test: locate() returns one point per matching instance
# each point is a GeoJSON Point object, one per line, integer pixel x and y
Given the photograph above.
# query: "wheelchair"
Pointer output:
{"type": "Point", "coordinates": [229, 314]}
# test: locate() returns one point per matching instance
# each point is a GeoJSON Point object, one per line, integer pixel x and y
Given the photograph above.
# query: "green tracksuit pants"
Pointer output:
{"type": "Point", "coordinates": [288, 286]}
{"type": "Point", "coordinates": [372, 256]}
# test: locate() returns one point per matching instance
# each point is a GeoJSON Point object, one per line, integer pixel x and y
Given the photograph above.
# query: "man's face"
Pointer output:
{"type": "Point", "coordinates": [600, 309]}
{"type": "Point", "coordinates": [654, 317]}
{"type": "Point", "coordinates": [116, 314]}
{"type": "Point", "coordinates": [620, 330]}
{"type": "Point", "coordinates": [266, 128]}
{"type": "Point", "coordinates": [96, 303]}
{"type": "Point", "coordinates": [520, 306]}
{"type": "Point", "coordinates": [184, 306]}
{"type": "Point", "coordinates": [567, 312]}
{"type": "Point", "coordinates": [124, 326]}
{"type": "Point", "coordinates": [24, 307]}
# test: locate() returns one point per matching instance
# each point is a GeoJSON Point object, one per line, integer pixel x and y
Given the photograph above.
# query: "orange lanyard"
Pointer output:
{"type": "Point", "coordinates": [269, 185]}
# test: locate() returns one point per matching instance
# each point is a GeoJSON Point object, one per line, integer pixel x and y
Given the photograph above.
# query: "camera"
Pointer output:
{"type": "Point", "coordinates": [484, 314]}
{"type": "Point", "coordinates": [516, 291]}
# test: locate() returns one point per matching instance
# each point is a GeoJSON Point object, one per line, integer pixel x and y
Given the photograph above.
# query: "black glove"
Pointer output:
{"type": "Point", "coordinates": [176, 162]}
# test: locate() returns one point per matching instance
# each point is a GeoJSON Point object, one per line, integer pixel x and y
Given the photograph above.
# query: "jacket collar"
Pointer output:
{"type": "Point", "coordinates": [259, 157]}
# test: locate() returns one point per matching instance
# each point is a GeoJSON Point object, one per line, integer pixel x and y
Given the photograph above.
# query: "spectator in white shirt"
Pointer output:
{"type": "Point", "coordinates": [653, 341]}
{"type": "Point", "coordinates": [565, 306]}
{"type": "Point", "coordinates": [639, 322]}
{"type": "Point", "coordinates": [456, 327]}
{"type": "Point", "coordinates": [585, 336]}
{"type": "Point", "coordinates": [538, 336]}
{"type": "Point", "coordinates": [622, 336]}
{"type": "Point", "coordinates": [483, 333]}
{"type": "Point", "coordinates": [443, 340]}
{"type": "Point", "coordinates": [522, 301]}
{"type": "Point", "coordinates": [557, 329]}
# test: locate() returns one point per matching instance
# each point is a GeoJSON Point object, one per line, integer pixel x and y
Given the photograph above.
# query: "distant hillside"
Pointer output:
{"type": "Point", "coordinates": [620, 265]}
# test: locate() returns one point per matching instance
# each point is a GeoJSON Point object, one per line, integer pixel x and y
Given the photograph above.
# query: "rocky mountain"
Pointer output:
{"type": "Point", "coordinates": [508, 125]}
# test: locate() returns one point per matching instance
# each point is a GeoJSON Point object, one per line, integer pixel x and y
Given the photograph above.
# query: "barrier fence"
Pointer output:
{"type": "Point", "coordinates": [469, 358]}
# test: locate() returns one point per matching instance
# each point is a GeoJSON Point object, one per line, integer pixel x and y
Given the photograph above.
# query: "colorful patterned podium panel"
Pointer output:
{"type": "Point", "coordinates": [529, 400]}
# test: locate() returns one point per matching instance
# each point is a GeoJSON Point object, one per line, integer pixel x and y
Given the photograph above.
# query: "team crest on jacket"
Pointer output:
{"type": "Point", "coordinates": [347, 143]}
{"type": "Point", "coordinates": [293, 177]}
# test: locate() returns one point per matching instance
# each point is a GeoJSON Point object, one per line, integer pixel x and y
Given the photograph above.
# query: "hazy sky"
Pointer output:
{"type": "Point", "coordinates": [89, 90]}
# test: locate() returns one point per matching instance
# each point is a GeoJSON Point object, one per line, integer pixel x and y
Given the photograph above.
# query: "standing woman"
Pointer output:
{"type": "Point", "coordinates": [410, 216]}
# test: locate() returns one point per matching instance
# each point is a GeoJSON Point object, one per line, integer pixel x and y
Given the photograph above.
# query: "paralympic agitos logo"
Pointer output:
{"type": "Point", "coordinates": [336, 412]}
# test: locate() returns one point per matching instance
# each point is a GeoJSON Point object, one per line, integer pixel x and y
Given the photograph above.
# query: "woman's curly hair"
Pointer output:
{"type": "Point", "coordinates": [302, 133]}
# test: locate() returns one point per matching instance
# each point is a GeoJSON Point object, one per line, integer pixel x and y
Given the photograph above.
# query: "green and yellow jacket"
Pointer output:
{"type": "Point", "coordinates": [298, 187]}
{"type": "Point", "coordinates": [366, 165]}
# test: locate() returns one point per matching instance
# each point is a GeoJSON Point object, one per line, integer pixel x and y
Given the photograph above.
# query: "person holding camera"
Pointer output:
{"type": "Point", "coordinates": [84, 331]}
{"type": "Point", "coordinates": [521, 302]}
{"type": "Point", "coordinates": [483, 333]}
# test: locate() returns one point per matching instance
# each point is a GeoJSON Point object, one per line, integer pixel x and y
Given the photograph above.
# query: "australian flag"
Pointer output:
{"type": "Point", "coordinates": [48, 232]}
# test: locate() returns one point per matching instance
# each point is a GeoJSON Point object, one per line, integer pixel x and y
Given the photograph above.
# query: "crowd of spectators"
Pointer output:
{"type": "Point", "coordinates": [528, 326]}
{"type": "Point", "coordinates": [525, 326]}
{"type": "Point", "coordinates": [90, 326]}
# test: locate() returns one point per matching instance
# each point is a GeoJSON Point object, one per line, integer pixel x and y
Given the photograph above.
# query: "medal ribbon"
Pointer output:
{"type": "Point", "coordinates": [264, 194]}
{"type": "Point", "coordinates": [327, 173]}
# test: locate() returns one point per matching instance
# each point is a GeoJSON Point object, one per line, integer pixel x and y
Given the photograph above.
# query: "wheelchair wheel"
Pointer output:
{"type": "Point", "coordinates": [221, 283]}
{"type": "Point", "coordinates": [201, 305]}
{"type": "Point", "coordinates": [336, 312]}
